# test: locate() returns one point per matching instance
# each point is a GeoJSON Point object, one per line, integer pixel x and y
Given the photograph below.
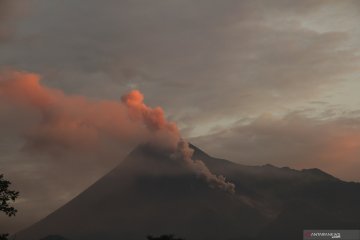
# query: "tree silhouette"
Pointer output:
{"type": "Point", "coordinates": [164, 237]}
{"type": "Point", "coordinates": [6, 196]}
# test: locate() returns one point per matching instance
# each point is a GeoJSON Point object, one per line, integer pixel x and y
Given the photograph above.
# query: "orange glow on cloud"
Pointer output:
{"type": "Point", "coordinates": [65, 121]}
{"type": "Point", "coordinates": [24, 88]}
{"type": "Point", "coordinates": [76, 123]}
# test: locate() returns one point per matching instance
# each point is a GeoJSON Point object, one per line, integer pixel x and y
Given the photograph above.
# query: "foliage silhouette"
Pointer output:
{"type": "Point", "coordinates": [4, 236]}
{"type": "Point", "coordinates": [6, 196]}
{"type": "Point", "coordinates": [164, 237]}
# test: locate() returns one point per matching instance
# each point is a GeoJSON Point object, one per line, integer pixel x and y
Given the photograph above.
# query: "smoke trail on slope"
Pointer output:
{"type": "Point", "coordinates": [185, 152]}
{"type": "Point", "coordinates": [154, 119]}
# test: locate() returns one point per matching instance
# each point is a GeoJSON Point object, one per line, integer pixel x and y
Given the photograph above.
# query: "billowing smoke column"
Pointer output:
{"type": "Point", "coordinates": [155, 121]}
{"type": "Point", "coordinates": [163, 133]}
{"type": "Point", "coordinates": [76, 123]}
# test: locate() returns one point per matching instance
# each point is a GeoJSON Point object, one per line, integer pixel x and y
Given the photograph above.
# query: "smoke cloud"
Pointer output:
{"type": "Point", "coordinates": [154, 119]}
{"type": "Point", "coordinates": [65, 122]}
{"type": "Point", "coordinates": [184, 152]}
{"type": "Point", "coordinates": [76, 123]}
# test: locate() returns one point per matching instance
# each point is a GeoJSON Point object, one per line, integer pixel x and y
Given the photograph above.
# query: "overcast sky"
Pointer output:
{"type": "Point", "coordinates": [255, 82]}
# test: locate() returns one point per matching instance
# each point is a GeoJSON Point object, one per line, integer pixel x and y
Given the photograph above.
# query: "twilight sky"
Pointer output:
{"type": "Point", "coordinates": [255, 82]}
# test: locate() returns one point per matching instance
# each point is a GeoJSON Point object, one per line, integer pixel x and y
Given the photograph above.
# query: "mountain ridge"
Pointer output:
{"type": "Point", "coordinates": [159, 195]}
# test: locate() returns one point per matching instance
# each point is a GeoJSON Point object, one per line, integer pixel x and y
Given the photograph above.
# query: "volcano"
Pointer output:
{"type": "Point", "coordinates": [149, 193]}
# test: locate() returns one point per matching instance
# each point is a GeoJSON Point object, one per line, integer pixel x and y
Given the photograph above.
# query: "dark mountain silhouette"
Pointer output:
{"type": "Point", "coordinates": [164, 237]}
{"type": "Point", "coordinates": [151, 194]}
{"type": "Point", "coordinates": [54, 237]}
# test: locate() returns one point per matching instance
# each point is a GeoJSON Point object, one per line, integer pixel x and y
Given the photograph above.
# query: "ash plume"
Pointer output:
{"type": "Point", "coordinates": [76, 123]}
{"type": "Point", "coordinates": [154, 119]}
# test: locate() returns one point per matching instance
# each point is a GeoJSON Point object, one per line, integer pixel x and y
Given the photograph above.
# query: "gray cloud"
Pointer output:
{"type": "Point", "coordinates": [4, 14]}
{"type": "Point", "coordinates": [256, 53]}
{"type": "Point", "coordinates": [10, 13]}
{"type": "Point", "coordinates": [295, 140]}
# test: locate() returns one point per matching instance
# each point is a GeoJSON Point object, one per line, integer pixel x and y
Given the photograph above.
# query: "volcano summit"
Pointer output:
{"type": "Point", "coordinates": [150, 193]}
